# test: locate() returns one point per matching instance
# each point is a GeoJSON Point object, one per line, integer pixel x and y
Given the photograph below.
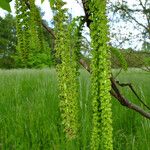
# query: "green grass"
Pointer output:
{"type": "Point", "coordinates": [131, 130]}
{"type": "Point", "coordinates": [30, 118]}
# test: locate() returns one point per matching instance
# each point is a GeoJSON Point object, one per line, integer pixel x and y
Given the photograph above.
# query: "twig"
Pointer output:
{"type": "Point", "coordinates": [132, 89]}
{"type": "Point", "coordinates": [47, 28]}
{"type": "Point", "coordinates": [126, 102]}
{"type": "Point", "coordinates": [115, 92]}
{"type": "Point", "coordinates": [118, 73]}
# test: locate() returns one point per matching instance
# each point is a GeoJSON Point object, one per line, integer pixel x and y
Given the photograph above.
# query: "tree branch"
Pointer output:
{"type": "Point", "coordinates": [87, 12]}
{"type": "Point", "coordinates": [134, 19]}
{"type": "Point", "coordinates": [132, 89]}
{"type": "Point", "coordinates": [48, 29]}
{"type": "Point", "coordinates": [115, 92]}
{"type": "Point", "coordinates": [145, 10]}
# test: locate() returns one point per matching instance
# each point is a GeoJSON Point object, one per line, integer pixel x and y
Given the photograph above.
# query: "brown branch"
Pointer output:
{"type": "Point", "coordinates": [126, 102]}
{"type": "Point", "coordinates": [48, 30]}
{"type": "Point", "coordinates": [132, 89]}
{"type": "Point", "coordinates": [144, 10]}
{"type": "Point", "coordinates": [130, 105]}
{"type": "Point", "coordinates": [115, 92]}
{"type": "Point", "coordinates": [87, 12]}
{"type": "Point", "coordinates": [85, 65]}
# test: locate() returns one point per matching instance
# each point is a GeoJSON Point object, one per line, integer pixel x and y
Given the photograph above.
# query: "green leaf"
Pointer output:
{"type": "Point", "coordinates": [52, 3]}
{"type": "Point", "coordinates": [120, 57]}
{"type": "Point", "coordinates": [5, 5]}
{"type": "Point", "coordinates": [42, 1]}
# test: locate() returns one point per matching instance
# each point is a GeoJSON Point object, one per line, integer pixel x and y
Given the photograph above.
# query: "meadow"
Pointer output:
{"type": "Point", "coordinates": [30, 117]}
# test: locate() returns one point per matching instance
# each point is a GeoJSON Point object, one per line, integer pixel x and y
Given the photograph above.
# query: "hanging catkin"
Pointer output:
{"type": "Point", "coordinates": [67, 70]}
{"type": "Point", "coordinates": [22, 15]}
{"type": "Point", "coordinates": [101, 138]}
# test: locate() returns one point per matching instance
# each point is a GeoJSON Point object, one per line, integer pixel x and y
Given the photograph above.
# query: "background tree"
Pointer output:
{"type": "Point", "coordinates": [137, 13]}
{"type": "Point", "coordinates": [8, 41]}
{"type": "Point", "coordinates": [126, 17]}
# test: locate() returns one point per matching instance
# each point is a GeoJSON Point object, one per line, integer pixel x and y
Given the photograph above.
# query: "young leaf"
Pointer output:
{"type": "Point", "coordinates": [52, 2]}
{"type": "Point", "coordinates": [120, 57]}
{"type": "Point", "coordinates": [5, 5]}
{"type": "Point", "coordinates": [42, 1]}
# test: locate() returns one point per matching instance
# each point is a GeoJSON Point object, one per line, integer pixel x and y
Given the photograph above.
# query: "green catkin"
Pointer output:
{"type": "Point", "coordinates": [26, 34]}
{"type": "Point", "coordinates": [101, 137]}
{"type": "Point", "coordinates": [67, 71]}
{"type": "Point", "coordinates": [32, 49]}
{"type": "Point", "coordinates": [34, 42]}
{"type": "Point", "coordinates": [22, 15]}
{"type": "Point", "coordinates": [20, 44]}
{"type": "Point", "coordinates": [36, 27]}
{"type": "Point", "coordinates": [40, 49]}
{"type": "Point", "coordinates": [40, 30]}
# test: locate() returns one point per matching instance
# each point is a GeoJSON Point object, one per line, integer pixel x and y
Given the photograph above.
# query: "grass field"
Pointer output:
{"type": "Point", "coordinates": [30, 118]}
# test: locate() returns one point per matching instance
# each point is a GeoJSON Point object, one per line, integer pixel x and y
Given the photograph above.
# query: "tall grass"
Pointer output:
{"type": "Point", "coordinates": [30, 117]}
{"type": "Point", "coordinates": [131, 130]}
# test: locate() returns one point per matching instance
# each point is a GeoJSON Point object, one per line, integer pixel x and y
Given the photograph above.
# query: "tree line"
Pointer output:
{"type": "Point", "coordinates": [8, 49]}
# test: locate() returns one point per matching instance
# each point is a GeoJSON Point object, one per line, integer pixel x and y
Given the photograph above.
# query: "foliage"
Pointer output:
{"type": "Point", "coordinates": [120, 58]}
{"type": "Point", "coordinates": [101, 137]}
{"type": "Point", "coordinates": [146, 46]}
{"type": "Point", "coordinates": [8, 41]}
{"type": "Point", "coordinates": [5, 4]}
{"type": "Point", "coordinates": [130, 58]}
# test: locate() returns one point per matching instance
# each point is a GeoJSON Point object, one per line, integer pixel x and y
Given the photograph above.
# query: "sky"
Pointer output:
{"type": "Point", "coordinates": [125, 29]}
{"type": "Point", "coordinates": [76, 9]}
